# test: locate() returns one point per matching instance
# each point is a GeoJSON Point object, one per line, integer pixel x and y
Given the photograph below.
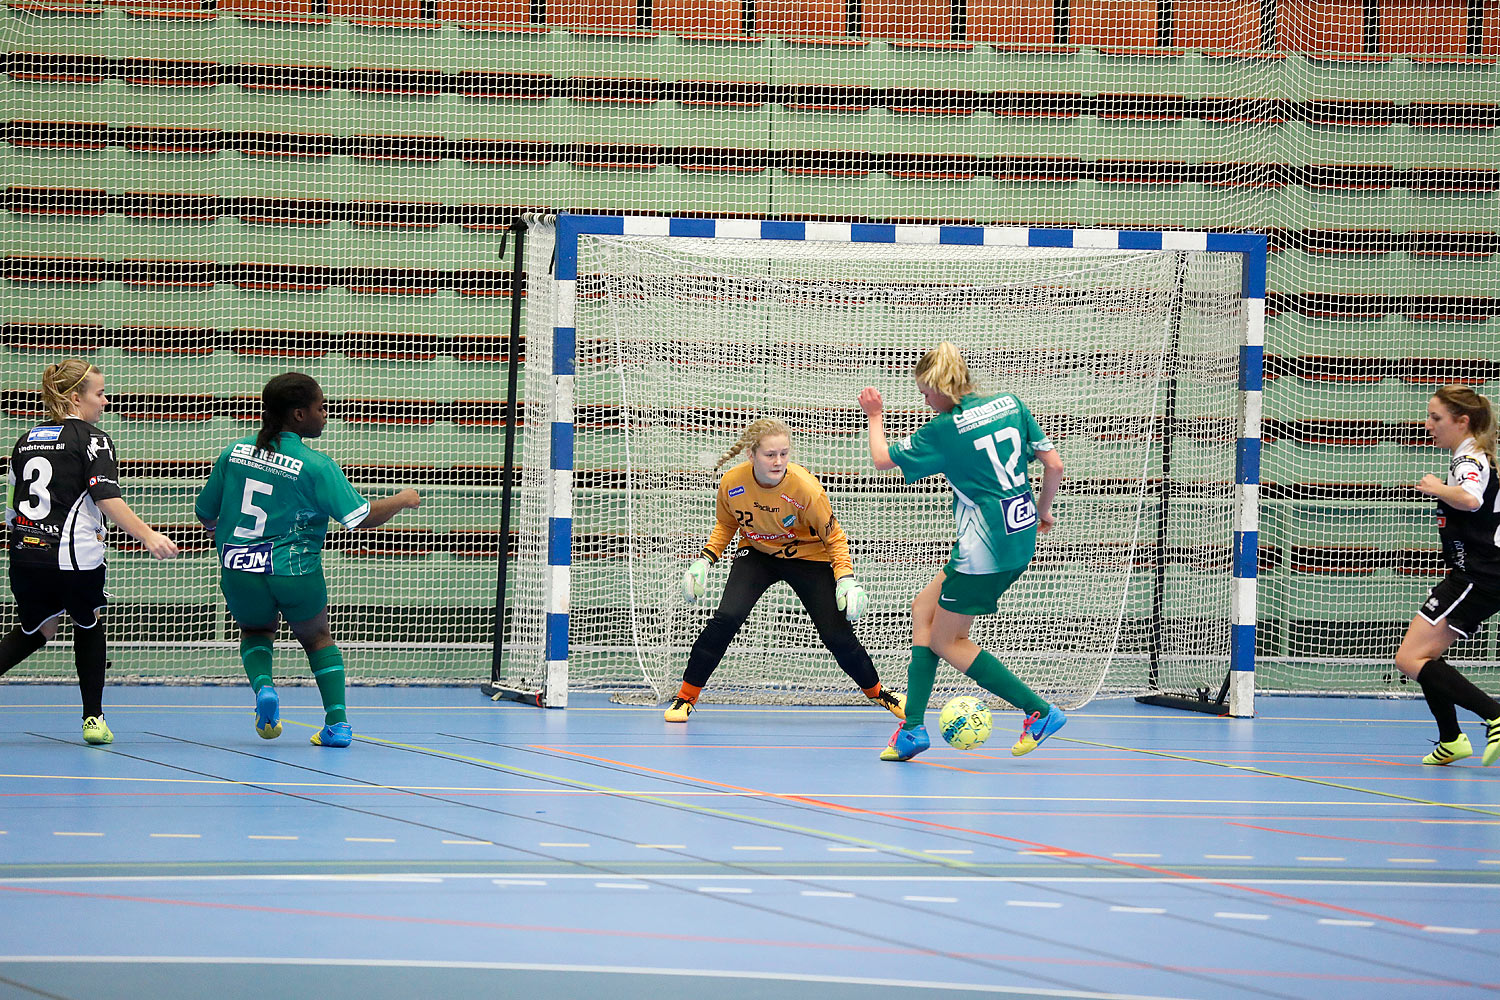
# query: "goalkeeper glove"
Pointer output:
{"type": "Point", "coordinates": [852, 599]}
{"type": "Point", "coordinates": [694, 580]}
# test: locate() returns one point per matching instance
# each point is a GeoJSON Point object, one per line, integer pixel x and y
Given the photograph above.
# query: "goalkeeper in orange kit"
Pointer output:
{"type": "Point", "coordinates": [787, 533]}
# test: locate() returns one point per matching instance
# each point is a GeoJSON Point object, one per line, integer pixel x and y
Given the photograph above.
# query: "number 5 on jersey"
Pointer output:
{"type": "Point", "coordinates": [249, 507]}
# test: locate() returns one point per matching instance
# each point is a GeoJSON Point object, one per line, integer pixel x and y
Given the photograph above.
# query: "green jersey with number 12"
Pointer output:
{"type": "Point", "coordinates": [983, 446]}
{"type": "Point", "coordinates": [273, 507]}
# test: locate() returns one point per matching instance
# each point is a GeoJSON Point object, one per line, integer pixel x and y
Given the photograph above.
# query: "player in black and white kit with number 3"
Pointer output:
{"type": "Point", "coordinates": [62, 483]}
{"type": "Point", "coordinates": [1468, 522]}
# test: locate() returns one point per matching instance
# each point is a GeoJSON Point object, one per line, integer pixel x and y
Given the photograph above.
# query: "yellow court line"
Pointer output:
{"type": "Point", "coordinates": [1291, 777]}
{"type": "Point", "coordinates": [759, 821]}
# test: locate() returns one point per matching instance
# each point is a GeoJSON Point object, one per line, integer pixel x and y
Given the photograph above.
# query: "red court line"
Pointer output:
{"type": "Point", "coordinates": [1031, 844]}
{"type": "Point", "coordinates": [472, 924]}
{"type": "Point", "coordinates": [1377, 843]}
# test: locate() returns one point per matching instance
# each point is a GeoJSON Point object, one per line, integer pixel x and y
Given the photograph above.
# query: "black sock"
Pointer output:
{"type": "Point", "coordinates": [1438, 702]}
{"type": "Point", "coordinates": [88, 657]}
{"type": "Point", "coordinates": [1459, 689]}
{"type": "Point", "coordinates": [17, 645]}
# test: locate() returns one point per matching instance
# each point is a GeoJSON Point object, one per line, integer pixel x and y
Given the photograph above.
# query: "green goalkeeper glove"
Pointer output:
{"type": "Point", "coordinates": [852, 599]}
{"type": "Point", "coordinates": [695, 579]}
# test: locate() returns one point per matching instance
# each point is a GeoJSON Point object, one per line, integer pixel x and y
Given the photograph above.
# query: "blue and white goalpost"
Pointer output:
{"type": "Point", "coordinates": [651, 342]}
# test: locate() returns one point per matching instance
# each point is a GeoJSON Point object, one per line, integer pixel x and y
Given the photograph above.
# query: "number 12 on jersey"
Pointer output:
{"type": "Point", "coordinates": [1009, 474]}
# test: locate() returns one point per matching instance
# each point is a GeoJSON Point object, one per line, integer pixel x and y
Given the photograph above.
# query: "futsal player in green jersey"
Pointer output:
{"type": "Point", "coordinates": [268, 501]}
{"type": "Point", "coordinates": [982, 443]}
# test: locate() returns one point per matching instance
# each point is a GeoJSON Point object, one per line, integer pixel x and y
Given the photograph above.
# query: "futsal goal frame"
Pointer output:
{"type": "Point", "coordinates": [1239, 686]}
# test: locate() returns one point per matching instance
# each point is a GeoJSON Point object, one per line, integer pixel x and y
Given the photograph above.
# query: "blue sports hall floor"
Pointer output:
{"type": "Point", "coordinates": [462, 848]}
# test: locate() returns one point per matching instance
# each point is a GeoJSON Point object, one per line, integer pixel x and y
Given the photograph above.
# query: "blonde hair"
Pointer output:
{"type": "Point", "coordinates": [754, 434]}
{"type": "Point", "coordinates": [61, 380]}
{"type": "Point", "coordinates": [1461, 401]}
{"type": "Point", "coordinates": [945, 370]}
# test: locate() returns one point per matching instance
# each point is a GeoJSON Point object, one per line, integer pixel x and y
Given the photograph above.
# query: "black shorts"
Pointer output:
{"type": "Point", "coordinates": [1460, 603]}
{"type": "Point", "coordinates": [43, 591]}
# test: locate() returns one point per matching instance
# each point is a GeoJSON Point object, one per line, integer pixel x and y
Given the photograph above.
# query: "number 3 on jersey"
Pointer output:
{"type": "Point", "coordinates": [37, 475]}
{"type": "Point", "coordinates": [1009, 474]}
{"type": "Point", "coordinates": [249, 507]}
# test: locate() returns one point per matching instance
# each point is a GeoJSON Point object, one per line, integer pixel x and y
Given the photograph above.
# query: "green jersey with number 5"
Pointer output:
{"type": "Point", "coordinates": [983, 446]}
{"type": "Point", "coordinates": [272, 507]}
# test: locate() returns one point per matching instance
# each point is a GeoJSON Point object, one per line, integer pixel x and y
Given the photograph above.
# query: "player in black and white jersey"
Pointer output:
{"type": "Point", "coordinates": [63, 482]}
{"type": "Point", "coordinates": [1468, 522]}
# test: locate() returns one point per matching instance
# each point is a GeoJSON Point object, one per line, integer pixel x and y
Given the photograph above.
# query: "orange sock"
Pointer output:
{"type": "Point", "coordinates": [872, 692]}
{"type": "Point", "coordinates": [689, 692]}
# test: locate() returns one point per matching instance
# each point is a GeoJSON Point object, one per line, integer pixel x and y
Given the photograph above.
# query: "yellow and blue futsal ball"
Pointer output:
{"type": "Point", "coordinates": [965, 723]}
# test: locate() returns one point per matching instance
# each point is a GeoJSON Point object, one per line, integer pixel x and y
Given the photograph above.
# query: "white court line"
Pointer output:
{"type": "Point", "coordinates": [1230, 915]}
{"type": "Point", "coordinates": [475, 843]}
{"type": "Point", "coordinates": [946, 987]}
{"type": "Point", "coordinates": [269, 836]}
{"type": "Point", "coordinates": [838, 849]}
{"type": "Point", "coordinates": [621, 885]}
{"type": "Point", "coordinates": [1412, 861]}
{"type": "Point", "coordinates": [1123, 855]}
{"type": "Point", "coordinates": [1136, 909]}
{"type": "Point", "coordinates": [76, 833]}
{"type": "Point", "coordinates": [1331, 922]}
{"type": "Point", "coordinates": [724, 888]}
{"type": "Point", "coordinates": [827, 894]}
{"type": "Point", "coordinates": [1035, 904]}
{"type": "Point", "coordinates": [1488, 887]}
{"type": "Point", "coordinates": [930, 899]}
{"type": "Point", "coordinates": [1434, 929]}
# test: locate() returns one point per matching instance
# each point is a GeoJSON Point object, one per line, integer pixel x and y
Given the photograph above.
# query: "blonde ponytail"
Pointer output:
{"type": "Point", "coordinates": [763, 428]}
{"type": "Point", "coordinates": [945, 370]}
{"type": "Point", "coordinates": [60, 381]}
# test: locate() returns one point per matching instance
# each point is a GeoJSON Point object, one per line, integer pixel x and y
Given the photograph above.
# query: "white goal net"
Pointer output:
{"type": "Point", "coordinates": [1128, 359]}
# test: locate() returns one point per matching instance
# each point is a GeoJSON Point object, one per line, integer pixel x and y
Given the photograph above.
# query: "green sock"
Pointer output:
{"type": "Point", "coordinates": [919, 679]}
{"type": "Point", "coordinates": [328, 670]}
{"type": "Point", "coordinates": [992, 675]}
{"type": "Point", "coordinates": [255, 654]}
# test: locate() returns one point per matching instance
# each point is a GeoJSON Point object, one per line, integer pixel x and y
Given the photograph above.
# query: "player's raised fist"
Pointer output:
{"type": "Point", "coordinates": [870, 401]}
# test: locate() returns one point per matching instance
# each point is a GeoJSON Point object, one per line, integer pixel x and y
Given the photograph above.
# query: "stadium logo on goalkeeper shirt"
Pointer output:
{"type": "Point", "coordinates": [1020, 513]}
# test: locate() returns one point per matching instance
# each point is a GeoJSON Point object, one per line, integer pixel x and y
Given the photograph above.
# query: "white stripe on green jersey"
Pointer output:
{"type": "Point", "coordinates": [983, 446]}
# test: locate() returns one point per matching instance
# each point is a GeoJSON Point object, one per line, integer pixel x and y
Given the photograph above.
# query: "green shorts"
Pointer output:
{"type": "Point", "coordinates": [975, 595]}
{"type": "Point", "coordinates": [255, 598]}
